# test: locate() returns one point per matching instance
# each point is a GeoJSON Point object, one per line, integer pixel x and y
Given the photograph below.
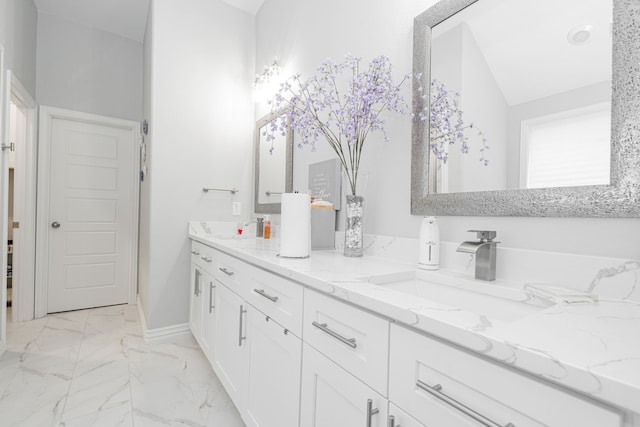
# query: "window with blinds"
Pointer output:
{"type": "Point", "coordinates": [569, 149]}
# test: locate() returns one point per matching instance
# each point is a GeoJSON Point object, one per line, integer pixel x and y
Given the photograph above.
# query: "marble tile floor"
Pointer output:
{"type": "Point", "coordinates": [93, 368]}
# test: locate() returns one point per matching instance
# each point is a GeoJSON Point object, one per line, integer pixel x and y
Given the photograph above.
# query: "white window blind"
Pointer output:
{"type": "Point", "coordinates": [568, 149]}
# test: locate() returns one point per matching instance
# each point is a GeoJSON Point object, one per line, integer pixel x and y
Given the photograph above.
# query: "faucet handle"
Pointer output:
{"type": "Point", "coordinates": [484, 235]}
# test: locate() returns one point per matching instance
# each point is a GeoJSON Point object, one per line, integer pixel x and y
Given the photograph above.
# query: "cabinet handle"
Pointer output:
{"type": "Point", "coordinates": [196, 253]}
{"type": "Point", "coordinates": [196, 290]}
{"type": "Point", "coordinates": [436, 391]}
{"type": "Point", "coordinates": [351, 342]}
{"type": "Point", "coordinates": [266, 295]}
{"type": "Point", "coordinates": [392, 422]}
{"type": "Point", "coordinates": [240, 337]}
{"type": "Point", "coordinates": [371, 411]}
{"type": "Point", "coordinates": [211, 288]}
{"type": "Point", "coordinates": [206, 258]}
{"type": "Point", "coordinates": [225, 271]}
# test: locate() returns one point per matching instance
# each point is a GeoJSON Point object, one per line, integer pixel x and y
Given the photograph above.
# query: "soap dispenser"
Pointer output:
{"type": "Point", "coordinates": [429, 251]}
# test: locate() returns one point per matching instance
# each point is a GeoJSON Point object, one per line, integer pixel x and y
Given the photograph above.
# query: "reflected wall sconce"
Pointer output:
{"type": "Point", "coordinates": [270, 73]}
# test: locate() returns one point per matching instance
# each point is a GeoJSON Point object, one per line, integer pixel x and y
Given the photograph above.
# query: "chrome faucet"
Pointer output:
{"type": "Point", "coordinates": [485, 251]}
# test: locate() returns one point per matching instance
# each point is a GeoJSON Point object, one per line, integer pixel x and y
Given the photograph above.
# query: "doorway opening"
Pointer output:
{"type": "Point", "coordinates": [21, 197]}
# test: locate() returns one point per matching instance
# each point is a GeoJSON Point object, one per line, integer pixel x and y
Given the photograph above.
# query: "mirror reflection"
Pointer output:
{"type": "Point", "coordinates": [273, 166]}
{"type": "Point", "coordinates": [520, 96]}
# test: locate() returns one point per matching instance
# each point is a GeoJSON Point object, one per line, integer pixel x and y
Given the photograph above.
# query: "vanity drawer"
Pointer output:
{"type": "Point", "coordinates": [354, 339]}
{"type": "Point", "coordinates": [203, 256]}
{"type": "Point", "coordinates": [276, 297]}
{"type": "Point", "coordinates": [441, 385]}
{"type": "Point", "coordinates": [233, 273]}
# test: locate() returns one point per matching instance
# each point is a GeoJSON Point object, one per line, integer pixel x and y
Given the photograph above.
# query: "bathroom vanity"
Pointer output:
{"type": "Point", "coordinates": [332, 341]}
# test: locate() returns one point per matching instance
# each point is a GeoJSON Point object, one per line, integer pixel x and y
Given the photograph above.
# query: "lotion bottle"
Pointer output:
{"type": "Point", "coordinates": [429, 251]}
{"type": "Point", "coordinates": [266, 227]}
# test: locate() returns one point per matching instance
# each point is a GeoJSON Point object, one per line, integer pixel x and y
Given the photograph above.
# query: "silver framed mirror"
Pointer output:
{"type": "Point", "coordinates": [619, 198]}
{"type": "Point", "coordinates": [273, 166]}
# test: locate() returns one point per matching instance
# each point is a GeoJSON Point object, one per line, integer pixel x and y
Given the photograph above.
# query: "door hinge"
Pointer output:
{"type": "Point", "coordinates": [16, 224]}
{"type": "Point", "coordinates": [11, 146]}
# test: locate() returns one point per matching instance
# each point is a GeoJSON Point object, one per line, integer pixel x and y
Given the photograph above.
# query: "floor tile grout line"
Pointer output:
{"type": "Point", "coordinates": [133, 418]}
{"type": "Point", "coordinates": [75, 367]}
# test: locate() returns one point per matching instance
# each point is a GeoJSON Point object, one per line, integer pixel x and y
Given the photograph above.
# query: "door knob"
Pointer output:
{"type": "Point", "coordinates": [55, 224]}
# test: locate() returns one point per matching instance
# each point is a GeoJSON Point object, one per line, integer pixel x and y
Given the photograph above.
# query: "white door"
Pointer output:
{"type": "Point", "coordinates": [91, 234]}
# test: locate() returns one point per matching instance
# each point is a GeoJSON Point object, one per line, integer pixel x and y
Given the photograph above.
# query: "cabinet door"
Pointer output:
{"type": "Point", "coordinates": [195, 307]}
{"type": "Point", "coordinates": [273, 389]}
{"type": "Point", "coordinates": [208, 330]}
{"type": "Point", "coordinates": [230, 345]}
{"type": "Point", "coordinates": [333, 397]}
{"type": "Point", "coordinates": [399, 418]}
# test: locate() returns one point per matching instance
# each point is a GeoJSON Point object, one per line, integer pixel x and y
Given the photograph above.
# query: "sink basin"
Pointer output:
{"type": "Point", "coordinates": [493, 300]}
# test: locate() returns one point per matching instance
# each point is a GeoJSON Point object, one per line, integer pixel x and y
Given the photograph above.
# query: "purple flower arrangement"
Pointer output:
{"type": "Point", "coordinates": [344, 104]}
{"type": "Point", "coordinates": [317, 107]}
{"type": "Point", "coordinates": [446, 125]}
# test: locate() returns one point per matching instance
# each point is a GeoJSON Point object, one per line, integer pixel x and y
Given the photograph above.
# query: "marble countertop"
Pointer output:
{"type": "Point", "coordinates": [593, 348]}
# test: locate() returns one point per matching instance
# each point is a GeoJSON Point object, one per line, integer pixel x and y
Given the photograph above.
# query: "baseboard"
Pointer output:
{"type": "Point", "coordinates": [160, 335]}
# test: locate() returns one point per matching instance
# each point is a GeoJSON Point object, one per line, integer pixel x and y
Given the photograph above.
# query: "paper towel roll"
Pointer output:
{"type": "Point", "coordinates": [295, 225]}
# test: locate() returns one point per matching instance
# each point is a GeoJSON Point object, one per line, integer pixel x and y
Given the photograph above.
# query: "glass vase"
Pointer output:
{"type": "Point", "coordinates": [353, 231]}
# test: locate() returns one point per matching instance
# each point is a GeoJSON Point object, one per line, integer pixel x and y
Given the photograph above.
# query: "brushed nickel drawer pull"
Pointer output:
{"type": "Point", "coordinates": [225, 271]}
{"type": "Point", "coordinates": [195, 252]}
{"type": "Point", "coordinates": [266, 295]}
{"type": "Point", "coordinates": [371, 411]}
{"type": "Point", "coordinates": [211, 304]}
{"type": "Point", "coordinates": [351, 342]}
{"type": "Point", "coordinates": [392, 422]}
{"type": "Point", "coordinates": [240, 336]}
{"type": "Point", "coordinates": [206, 258]}
{"type": "Point", "coordinates": [196, 290]}
{"type": "Point", "coordinates": [436, 391]}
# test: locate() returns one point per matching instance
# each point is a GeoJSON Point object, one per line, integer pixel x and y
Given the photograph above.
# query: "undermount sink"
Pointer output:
{"type": "Point", "coordinates": [491, 299]}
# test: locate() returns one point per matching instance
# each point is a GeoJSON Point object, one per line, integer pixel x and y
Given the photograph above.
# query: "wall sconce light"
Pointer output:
{"type": "Point", "coordinates": [270, 73]}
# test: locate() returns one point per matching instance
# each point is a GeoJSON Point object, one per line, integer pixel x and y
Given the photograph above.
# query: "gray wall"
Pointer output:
{"type": "Point", "coordinates": [88, 70]}
{"type": "Point", "coordinates": [18, 24]}
{"type": "Point", "coordinates": [199, 100]}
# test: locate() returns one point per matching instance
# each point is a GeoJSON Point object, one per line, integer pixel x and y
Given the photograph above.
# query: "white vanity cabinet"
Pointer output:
{"type": "Point", "coordinates": [333, 397]}
{"type": "Point", "coordinates": [290, 356]}
{"type": "Point", "coordinates": [443, 386]}
{"type": "Point", "coordinates": [257, 359]}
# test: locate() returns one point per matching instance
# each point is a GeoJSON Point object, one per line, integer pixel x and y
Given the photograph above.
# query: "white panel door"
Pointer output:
{"type": "Point", "coordinates": [91, 235]}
